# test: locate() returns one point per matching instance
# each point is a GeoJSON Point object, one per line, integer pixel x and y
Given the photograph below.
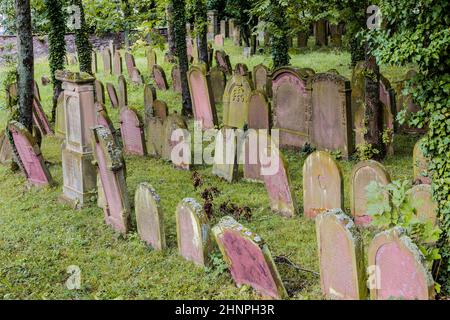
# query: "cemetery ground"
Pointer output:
{"type": "Point", "coordinates": [41, 237]}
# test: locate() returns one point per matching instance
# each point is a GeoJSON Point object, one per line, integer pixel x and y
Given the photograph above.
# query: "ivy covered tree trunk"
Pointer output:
{"type": "Point", "coordinates": [179, 24]}
{"type": "Point", "coordinates": [126, 9]}
{"type": "Point", "coordinates": [25, 65]}
{"type": "Point", "coordinates": [170, 31]}
{"type": "Point", "coordinates": [84, 47]}
{"type": "Point", "coordinates": [279, 40]}
{"type": "Point", "coordinates": [57, 46]}
{"type": "Point", "coordinates": [201, 29]}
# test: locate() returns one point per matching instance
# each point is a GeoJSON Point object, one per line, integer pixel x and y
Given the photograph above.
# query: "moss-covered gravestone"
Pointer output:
{"type": "Point", "coordinates": [132, 131]}
{"type": "Point", "coordinates": [420, 164]}
{"type": "Point", "coordinates": [248, 258]}
{"type": "Point", "coordinates": [218, 83]}
{"type": "Point", "coordinates": [149, 216]}
{"type": "Point", "coordinates": [149, 97]}
{"type": "Point", "coordinates": [422, 200]}
{"type": "Point", "coordinates": [225, 155]}
{"type": "Point", "coordinates": [154, 128]}
{"type": "Point", "coordinates": [235, 101]}
{"type": "Point", "coordinates": [151, 59]}
{"type": "Point", "coordinates": [341, 257]}
{"type": "Point", "coordinates": [159, 76]}
{"type": "Point", "coordinates": [193, 232]}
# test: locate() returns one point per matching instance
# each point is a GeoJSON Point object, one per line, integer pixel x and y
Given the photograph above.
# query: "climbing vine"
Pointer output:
{"type": "Point", "coordinates": [84, 47]}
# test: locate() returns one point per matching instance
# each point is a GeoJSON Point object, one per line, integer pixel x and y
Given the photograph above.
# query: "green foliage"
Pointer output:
{"type": "Point", "coordinates": [366, 151]}
{"type": "Point", "coordinates": [217, 265]}
{"type": "Point", "coordinates": [399, 212]}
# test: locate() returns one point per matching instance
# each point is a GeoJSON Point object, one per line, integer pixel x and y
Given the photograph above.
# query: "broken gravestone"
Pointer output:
{"type": "Point", "coordinates": [149, 216]}
{"type": "Point", "coordinates": [420, 164]}
{"type": "Point", "coordinates": [223, 62]}
{"type": "Point", "coordinates": [132, 132]}
{"type": "Point", "coordinates": [249, 259]}
{"type": "Point", "coordinates": [225, 155]}
{"type": "Point", "coordinates": [159, 76]}
{"type": "Point", "coordinates": [322, 184]}
{"type": "Point", "coordinates": [193, 232]}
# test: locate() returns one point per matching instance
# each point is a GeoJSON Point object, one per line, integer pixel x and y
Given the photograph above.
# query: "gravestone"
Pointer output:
{"type": "Point", "coordinates": [190, 51]}
{"type": "Point", "coordinates": [112, 94]}
{"type": "Point", "coordinates": [112, 47]}
{"type": "Point", "coordinates": [401, 271]}
{"type": "Point", "coordinates": [149, 216]}
{"type": "Point", "coordinates": [117, 65]}
{"type": "Point", "coordinates": [106, 57]}
{"type": "Point", "coordinates": [171, 123]}
{"type": "Point", "coordinates": [29, 155]}
{"type": "Point", "coordinates": [362, 175]}
{"type": "Point", "coordinates": [249, 258]}
{"type": "Point", "coordinates": [159, 76]}
{"type": "Point", "coordinates": [149, 97]}
{"type": "Point", "coordinates": [261, 79]}
{"type": "Point", "coordinates": [123, 95]}
{"type": "Point", "coordinates": [341, 257]}
{"type": "Point", "coordinates": [225, 155]}
{"type": "Point", "coordinates": [5, 149]}
{"type": "Point", "coordinates": [151, 59]}
{"type": "Point", "coordinates": [99, 92]}
{"type": "Point", "coordinates": [241, 69]}
{"type": "Point", "coordinates": [130, 63]}
{"type": "Point", "coordinates": [258, 111]}
{"type": "Point", "coordinates": [253, 146]}
{"type": "Point", "coordinates": [154, 128]}
{"type": "Point", "coordinates": [331, 119]}
{"type": "Point", "coordinates": [60, 121]}
{"type": "Point", "coordinates": [176, 79]}
{"type": "Point", "coordinates": [278, 185]}
{"type": "Point", "coordinates": [94, 64]}
{"type": "Point", "coordinates": [193, 232]}
{"type": "Point", "coordinates": [40, 119]}
{"type": "Point", "coordinates": [136, 77]}
{"type": "Point", "coordinates": [132, 132]}
{"type": "Point", "coordinates": [231, 26]}
{"type": "Point", "coordinates": [219, 40]}
{"type": "Point", "coordinates": [420, 164]}
{"type": "Point", "coordinates": [235, 101]}
{"type": "Point", "coordinates": [109, 160]}
{"type": "Point", "coordinates": [202, 100]}
{"type": "Point", "coordinates": [213, 26]}
{"type": "Point", "coordinates": [79, 174]}
{"type": "Point", "coordinates": [291, 106]}
{"type": "Point", "coordinates": [322, 184]}
{"type": "Point", "coordinates": [237, 36]}
{"type": "Point", "coordinates": [421, 197]}
{"type": "Point", "coordinates": [223, 62]}
{"type": "Point", "coordinates": [218, 83]}
{"type": "Point", "coordinates": [223, 28]}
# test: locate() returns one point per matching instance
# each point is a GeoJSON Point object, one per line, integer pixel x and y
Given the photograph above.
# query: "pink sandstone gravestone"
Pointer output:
{"type": "Point", "coordinates": [108, 158]}
{"type": "Point", "coordinates": [176, 79]}
{"type": "Point", "coordinates": [322, 184]}
{"type": "Point", "coordinates": [107, 65]}
{"type": "Point", "coordinates": [223, 62]}
{"type": "Point", "coordinates": [249, 259]}
{"type": "Point", "coordinates": [218, 82]}
{"type": "Point", "coordinates": [193, 232]}
{"type": "Point", "coordinates": [225, 155]}
{"type": "Point", "coordinates": [112, 94]}
{"type": "Point", "coordinates": [362, 175]}
{"type": "Point", "coordinates": [341, 257]}
{"type": "Point", "coordinates": [420, 164]}
{"type": "Point", "coordinates": [235, 101]}
{"type": "Point", "coordinates": [130, 63]}
{"type": "Point", "coordinates": [219, 40]}
{"type": "Point", "coordinates": [258, 111]}
{"type": "Point", "coordinates": [149, 216]}
{"type": "Point", "coordinates": [131, 129]}
{"type": "Point", "coordinates": [202, 102]}
{"type": "Point", "coordinates": [37, 92]}
{"type": "Point", "coordinates": [99, 91]}
{"type": "Point", "coordinates": [123, 94]}
{"type": "Point", "coordinates": [400, 267]}
{"type": "Point", "coordinates": [29, 155]}
{"type": "Point", "coordinates": [40, 119]}
{"type": "Point", "coordinates": [159, 76]}
{"type": "Point", "coordinates": [136, 77]}
{"type": "Point", "coordinates": [117, 64]}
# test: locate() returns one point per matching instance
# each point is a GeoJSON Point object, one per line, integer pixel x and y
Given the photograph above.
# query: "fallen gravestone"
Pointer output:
{"type": "Point", "coordinates": [159, 76]}
{"type": "Point", "coordinates": [131, 129]}
{"type": "Point", "coordinates": [235, 101]}
{"type": "Point", "coordinates": [40, 119]}
{"type": "Point", "coordinates": [112, 94]}
{"type": "Point", "coordinates": [225, 155]}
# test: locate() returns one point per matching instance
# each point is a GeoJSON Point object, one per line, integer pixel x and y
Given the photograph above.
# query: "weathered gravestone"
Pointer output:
{"type": "Point", "coordinates": [362, 175]}
{"type": "Point", "coordinates": [130, 63]}
{"type": "Point", "coordinates": [213, 27]}
{"type": "Point", "coordinates": [149, 98]}
{"type": "Point", "coordinates": [261, 79]}
{"type": "Point", "coordinates": [341, 257]}
{"type": "Point", "coordinates": [60, 122]}
{"type": "Point", "coordinates": [237, 41]}
{"type": "Point", "coordinates": [132, 132]}
{"type": "Point", "coordinates": [117, 65]}
{"type": "Point", "coordinates": [291, 106]}
{"type": "Point", "coordinates": [219, 40]}
{"type": "Point", "coordinates": [235, 101]}
{"type": "Point", "coordinates": [112, 94]}
{"type": "Point", "coordinates": [99, 92]}
{"type": "Point", "coordinates": [189, 49]}
{"type": "Point", "coordinates": [248, 258]}
{"type": "Point", "coordinates": [149, 216]}
{"type": "Point", "coordinates": [154, 129]}
{"type": "Point", "coordinates": [225, 155]}
{"type": "Point", "coordinates": [176, 79]}
{"type": "Point", "coordinates": [151, 59]}
{"type": "Point", "coordinates": [136, 77]}
{"type": "Point", "coordinates": [193, 232]}
{"type": "Point", "coordinates": [159, 76]}
{"type": "Point", "coordinates": [40, 119]}
{"type": "Point", "coordinates": [322, 184]}
{"type": "Point", "coordinates": [104, 120]}
{"type": "Point", "coordinates": [123, 95]}
{"type": "Point", "coordinates": [28, 155]}
{"type": "Point", "coordinates": [258, 111]}
{"type": "Point", "coordinates": [5, 149]}
{"type": "Point", "coordinates": [218, 83]}
{"type": "Point", "coordinates": [110, 164]}
{"type": "Point", "coordinates": [79, 174]}
{"type": "Point", "coordinates": [107, 65]}
{"type": "Point", "coordinates": [422, 201]}
{"type": "Point", "coordinates": [231, 26]}
{"type": "Point", "coordinates": [331, 120]}
{"type": "Point", "coordinates": [241, 69]}
{"type": "Point", "coordinates": [202, 101]}
{"type": "Point", "coordinates": [223, 28]}
{"type": "Point", "coordinates": [420, 164]}
{"type": "Point", "coordinates": [400, 270]}
{"type": "Point", "coordinates": [223, 62]}
{"type": "Point", "coordinates": [94, 65]}
{"type": "Point", "coordinates": [172, 123]}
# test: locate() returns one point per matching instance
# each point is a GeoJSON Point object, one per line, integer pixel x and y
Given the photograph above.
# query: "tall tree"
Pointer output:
{"type": "Point", "coordinates": [126, 9]}
{"type": "Point", "coordinates": [170, 31]}
{"type": "Point", "coordinates": [179, 24]}
{"type": "Point", "coordinates": [57, 45]}
{"type": "Point", "coordinates": [25, 65]}
{"type": "Point", "coordinates": [201, 28]}
{"type": "Point", "coordinates": [84, 47]}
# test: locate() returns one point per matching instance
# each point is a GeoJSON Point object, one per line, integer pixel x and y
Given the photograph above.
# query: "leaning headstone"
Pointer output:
{"type": "Point", "coordinates": [28, 155]}
{"type": "Point", "coordinates": [154, 128]}
{"type": "Point", "coordinates": [40, 119]}
{"type": "Point", "coordinates": [60, 122]}
{"type": "Point", "coordinates": [258, 111]}
{"type": "Point", "coordinates": [341, 257]}
{"type": "Point", "coordinates": [422, 200]}
{"type": "Point", "coordinates": [123, 95]}
{"type": "Point", "coordinates": [291, 106]}
{"type": "Point", "coordinates": [400, 270]}
{"type": "Point", "coordinates": [159, 76]}
{"type": "Point", "coordinates": [420, 164]}
{"type": "Point", "coordinates": [175, 122]}
{"type": "Point", "coordinates": [331, 120]}
{"type": "Point", "coordinates": [202, 101]}
{"type": "Point", "coordinates": [219, 40]}
{"type": "Point", "coordinates": [241, 69]}
{"type": "Point", "coordinates": [107, 65]}
{"type": "Point", "coordinates": [225, 155]}
{"type": "Point", "coordinates": [362, 175]}
{"type": "Point", "coordinates": [151, 59]}
{"type": "Point", "coordinates": [149, 216]}
{"type": "Point", "coordinates": [235, 101]}
{"type": "Point", "coordinates": [136, 77]}
{"type": "Point", "coordinates": [261, 79]}
{"type": "Point", "coordinates": [99, 92]}
{"type": "Point", "coordinates": [130, 63]}
{"type": "Point", "coordinates": [112, 94]}
{"type": "Point", "coordinates": [109, 161]}
{"type": "Point", "coordinates": [117, 65]}
{"type": "Point", "coordinates": [94, 64]}
{"type": "Point", "coordinates": [193, 232]}
{"type": "Point", "coordinates": [36, 91]}
{"type": "Point", "coordinates": [176, 79]}
{"type": "Point", "coordinates": [249, 258]}
{"type": "Point", "coordinates": [218, 83]}
{"type": "Point", "coordinates": [223, 62]}
{"type": "Point", "coordinates": [5, 149]}
{"type": "Point", "coordinates": [322, 184]}
{"type": "Point", "coordinates": [131, 129]}
{"type": "Point", "coordinates": [149, 97]}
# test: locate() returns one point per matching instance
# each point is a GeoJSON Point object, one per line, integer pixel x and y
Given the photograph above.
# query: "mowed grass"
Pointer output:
{"type": "Point", "coordinates": [40, 238]}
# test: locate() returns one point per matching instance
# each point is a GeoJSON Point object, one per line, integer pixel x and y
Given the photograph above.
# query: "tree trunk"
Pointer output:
{"type": "Point", "coordinates": [179, 24]}
{"type": "Point", "coordinates": [25, 65]}
{"type": "Point", "coordinates": [126, 9]}
{"type": "Point", "coordinates": [84, 47]}
{"type": "Point", "coordinates": [170, 31]}
{"type": "Point", "coordinates": [201, 28]}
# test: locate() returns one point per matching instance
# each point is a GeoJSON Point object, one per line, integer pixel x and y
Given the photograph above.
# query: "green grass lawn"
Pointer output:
{"type": "Point", "coordinates": [40, 238]}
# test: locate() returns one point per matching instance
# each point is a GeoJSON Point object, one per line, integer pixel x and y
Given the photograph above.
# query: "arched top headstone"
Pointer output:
{"type": "Point", "coordinates": [241, 69]}
{"type": "Point", "coordinates": [123, 94]}
{"type": "Point", "coordinates": [422, 200]}
{"type": "Point", "coordinates": [258, 111]}
{"type": "Point", "coordinates": [149, 98]}
{"type": "Point", "coordinates": [235, 101]}
{"type": "Point", "coordinates": [160, 77]}
{"type": "Point", "coordinates": [261, 79]}
{"type": "Point", "coordinates": [131, 128]}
